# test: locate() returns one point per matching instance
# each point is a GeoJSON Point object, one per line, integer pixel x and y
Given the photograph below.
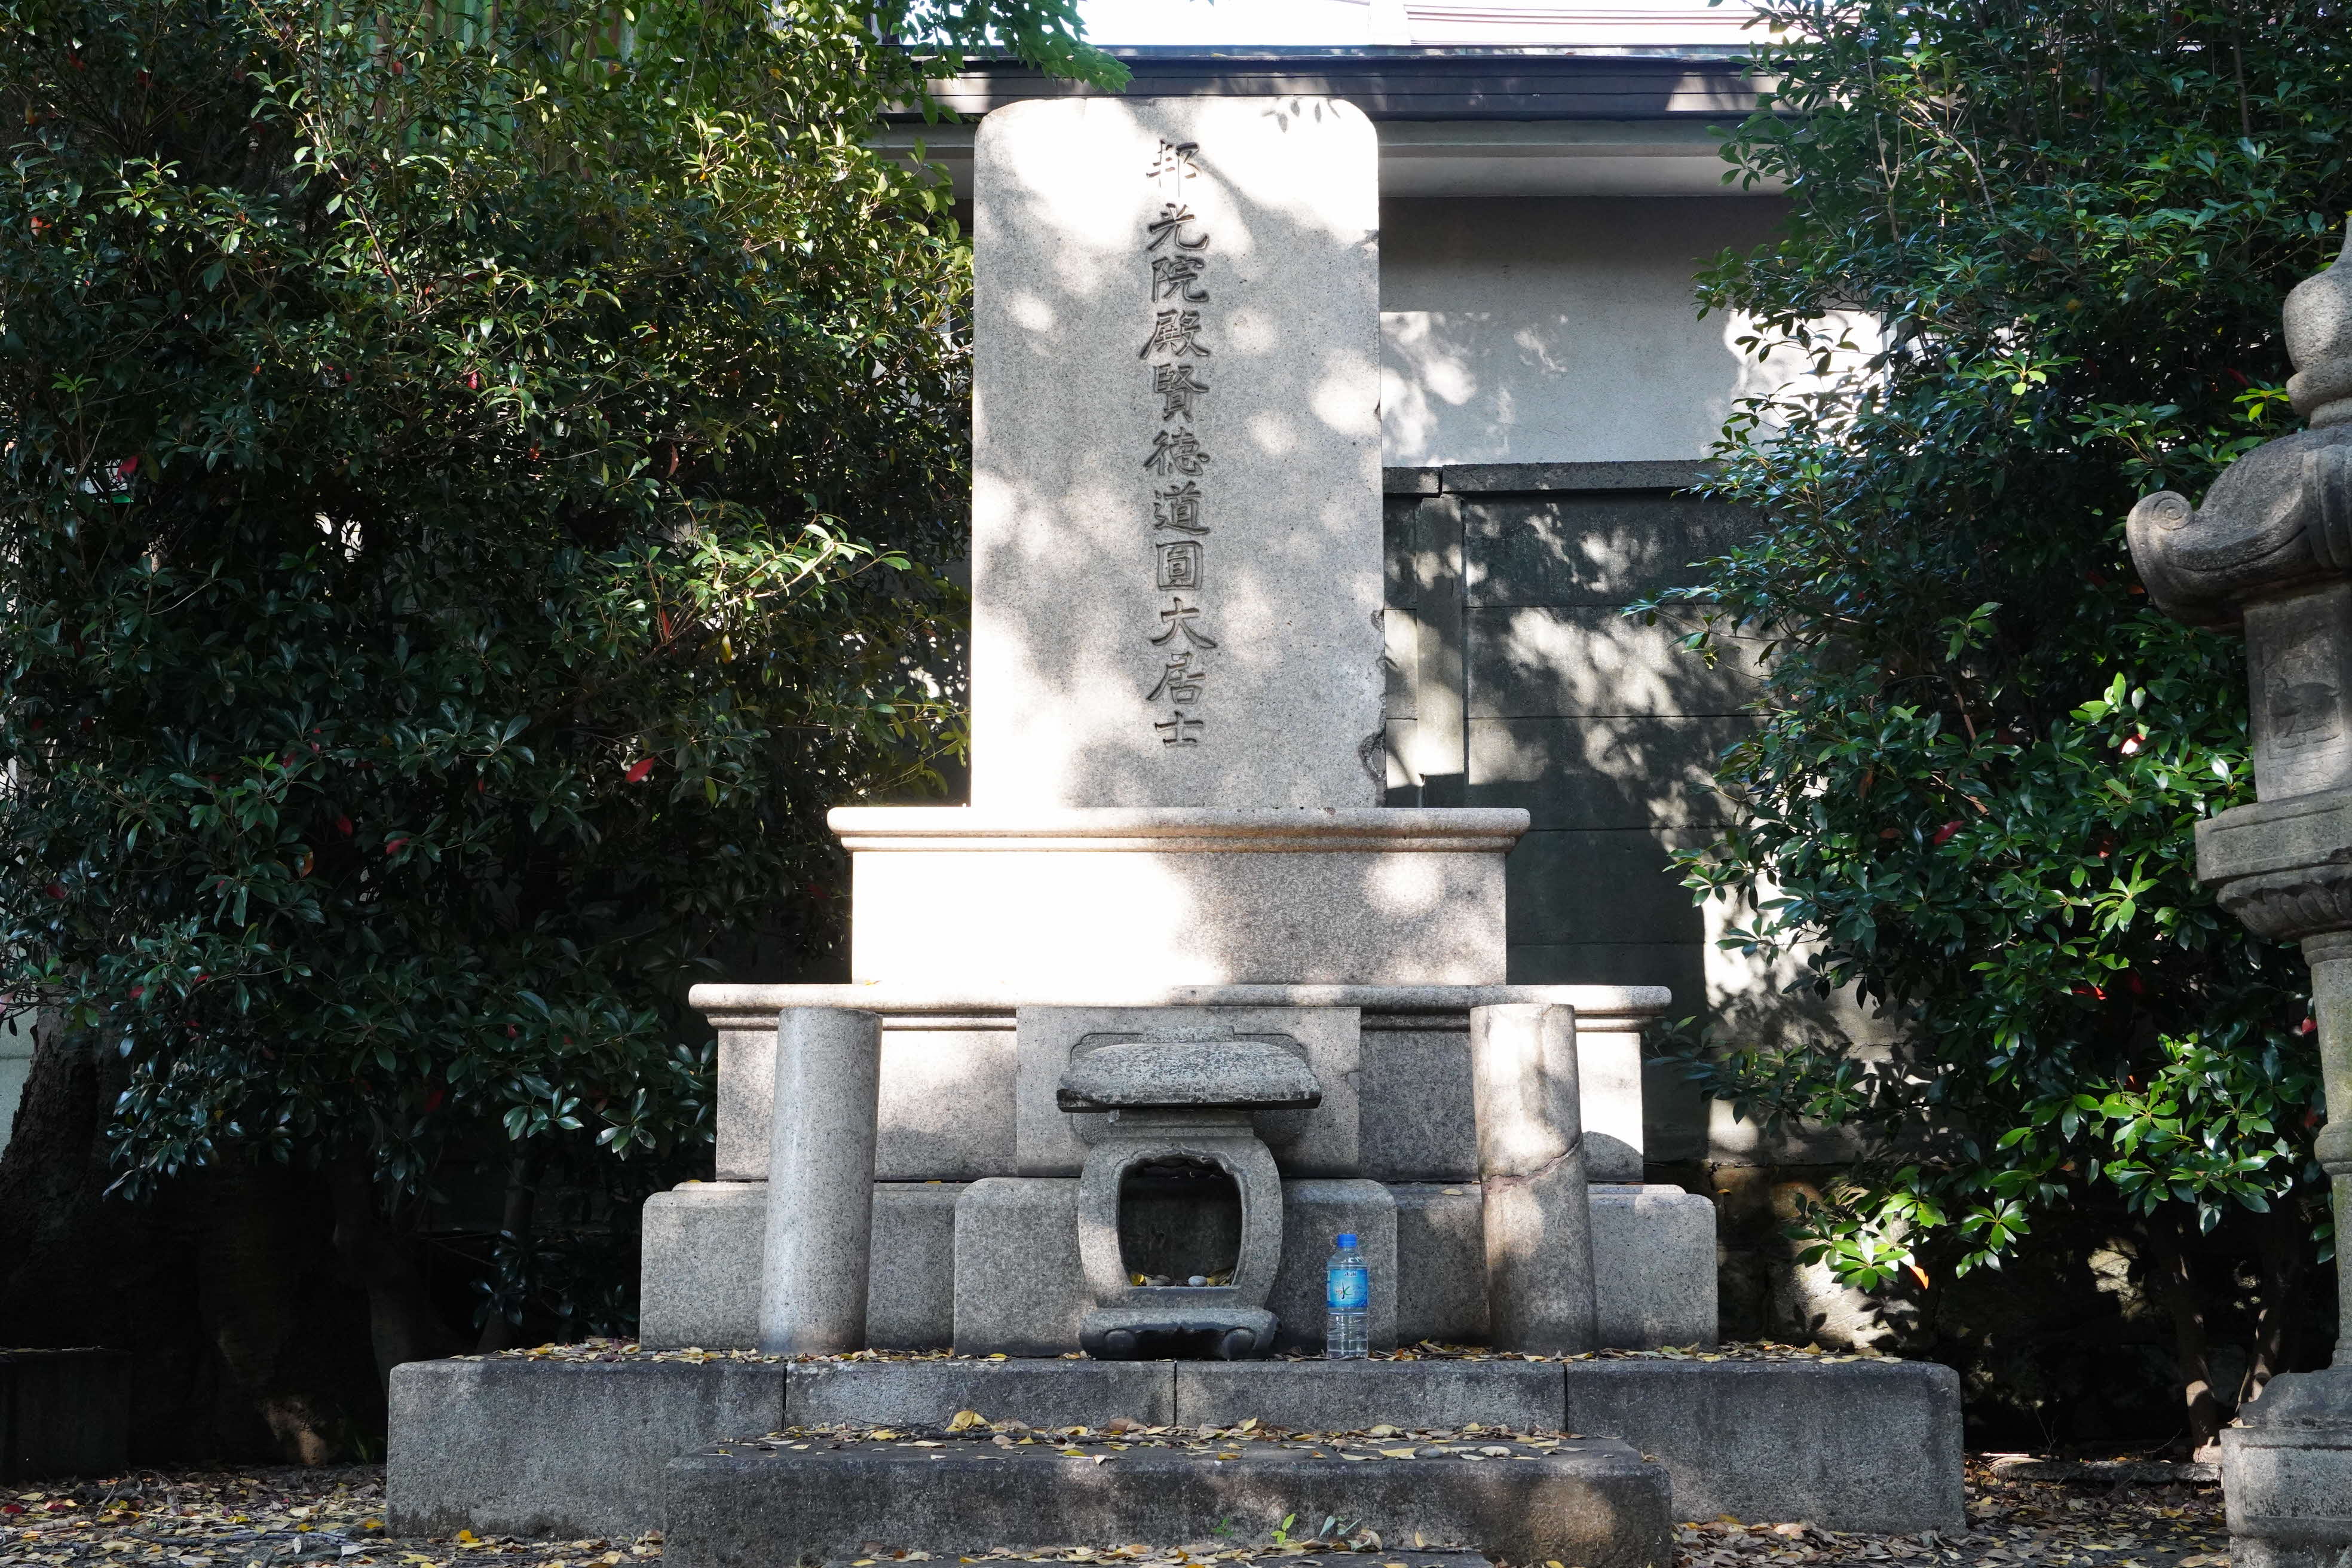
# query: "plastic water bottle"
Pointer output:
{"type": "Point", "coordinates": [1347, 1301]}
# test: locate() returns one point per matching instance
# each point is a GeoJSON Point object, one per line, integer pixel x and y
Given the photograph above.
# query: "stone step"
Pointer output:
{"type": "Point", "coordinates": [818, 1495]}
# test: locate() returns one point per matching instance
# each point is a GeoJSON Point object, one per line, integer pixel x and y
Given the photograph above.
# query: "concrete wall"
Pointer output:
{"type": "Point", "coordinates": [1561, 330]}
{"type": "Point", "coordinates": [1517, 679]}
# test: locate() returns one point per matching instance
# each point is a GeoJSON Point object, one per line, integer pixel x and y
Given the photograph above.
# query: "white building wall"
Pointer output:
{"type": "Point", "coordinates": [1552, 329]}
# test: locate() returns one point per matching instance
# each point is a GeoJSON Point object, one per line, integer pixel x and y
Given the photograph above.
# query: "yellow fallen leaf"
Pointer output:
{"type": "Point", "coordinates": [965, 1420]}
{"type": "Point", "coordinates": [882, 1434]}
{"type": "Point", "coordinates": [469, 1537]}
{"type": "Point", "coordinates": [1397, 1453]}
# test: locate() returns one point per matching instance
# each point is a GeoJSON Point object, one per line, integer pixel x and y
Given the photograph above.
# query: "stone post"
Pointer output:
{"type": "Point", "coordinates": [1538, 1217]}
{"type": "Point", "coordinates": [2269, 554]}
{"type": "Point", "coordinates": [820, 1182]}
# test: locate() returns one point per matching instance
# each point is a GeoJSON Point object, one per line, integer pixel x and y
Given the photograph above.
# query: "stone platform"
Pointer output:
{"type": "Point", "coordinates": [517, 1446]}
{"type": "Point", "coordinates": [1596, 1502]}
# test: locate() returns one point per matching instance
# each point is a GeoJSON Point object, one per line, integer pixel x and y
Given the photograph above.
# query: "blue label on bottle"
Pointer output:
{"type": "Point", "coordinates": [1347, 1290]}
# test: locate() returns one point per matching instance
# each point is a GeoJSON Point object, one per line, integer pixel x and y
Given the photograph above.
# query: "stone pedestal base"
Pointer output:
{"type": "Point", "coordinates": [1652, 1255]}
{"type": "Point", "coordinates": [1176, 896]}
{"type": "Point", "coordinates": [2287, 1474]}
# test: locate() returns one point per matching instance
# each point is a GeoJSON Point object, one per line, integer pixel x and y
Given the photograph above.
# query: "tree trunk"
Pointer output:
{"type": "Point", "coordinates": [2172, 1280]}
{"type": "Point", "coordinates": [2284, 1239]}
{"type": "Point", "coordinates": [402, 1322]}
{"type": "Point", "coordinates": [514, 1231]}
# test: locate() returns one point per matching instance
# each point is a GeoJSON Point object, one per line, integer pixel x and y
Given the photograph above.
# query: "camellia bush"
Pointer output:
{"type": "Point", "coordinates": [1971, 787]}
{"type": "Point", "coordinates": [473, 489]}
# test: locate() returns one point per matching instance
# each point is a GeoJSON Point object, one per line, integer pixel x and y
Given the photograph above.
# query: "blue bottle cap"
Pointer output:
{"type": "Point", "coordinates": [1346, 1238]}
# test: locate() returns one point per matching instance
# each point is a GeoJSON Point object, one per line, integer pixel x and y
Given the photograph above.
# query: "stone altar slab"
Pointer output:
{"type": "Point", "coordinates": [1176, 488]}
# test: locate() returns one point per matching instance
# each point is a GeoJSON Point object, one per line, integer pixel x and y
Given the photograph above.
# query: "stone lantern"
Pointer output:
{"type": "Point", "coordinates": [2271, 553]}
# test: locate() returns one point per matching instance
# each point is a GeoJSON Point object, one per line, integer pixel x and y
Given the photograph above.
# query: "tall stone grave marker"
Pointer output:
{"type": "Point", "coordinates": [1176, 527]}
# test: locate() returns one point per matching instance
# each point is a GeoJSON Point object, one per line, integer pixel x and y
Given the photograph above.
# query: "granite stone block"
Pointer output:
{"type": "Point", "coordinates": [1349, 1395]}
{"type": "Point", "coordinates": [560, 1448]}
{"type": "Point", "coordinates": [1020, 1289]}
{"type": "Point", "coordinates": [1418, 1121]}
{"type": "Point", "coordinates": [1024, 900]}
{"type": "Point", "coordinates": [1317, 1141]}
{"type": "Point", "coordinates": [1653, 1267]}
{"type": "Point", "coordinates": [910, 1291]}
{"type": "Point", "coordinates": [699, 1266]}
{"type": "Point", "coordinates": [2286, 1473]}
{"type": "Point", "coordinates": [1037, 1392]}
{"type": "Point", "coordinates": [1865, 1446]}
{"type": "Point", "coordinates": [1313, 1212]}
{"type": "Point", "coordinates": [1595, 1503]}
{"type": "Point", "coordinates": [1441, 1263]}
{"type": "Point", "coordinates": [1528, 662]}
{"type": "Point", "coordinates": [1073, 332]}
{"type": "Point", "coordinates": [945, 1112]}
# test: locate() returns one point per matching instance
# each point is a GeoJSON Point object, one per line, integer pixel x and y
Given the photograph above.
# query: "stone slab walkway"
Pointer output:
{"type": "Point", "coordinates": [277, 1518]}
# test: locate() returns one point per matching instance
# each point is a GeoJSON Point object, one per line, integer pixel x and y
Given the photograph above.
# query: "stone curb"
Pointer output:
{"type": "Point", "coordinates": [1597, 1504]}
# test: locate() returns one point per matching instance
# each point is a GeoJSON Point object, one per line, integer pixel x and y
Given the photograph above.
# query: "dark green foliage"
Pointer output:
{"type": "Point", "coordinates": [1976, 772]}
{"type": "Point", "coordinates": [471, 484]}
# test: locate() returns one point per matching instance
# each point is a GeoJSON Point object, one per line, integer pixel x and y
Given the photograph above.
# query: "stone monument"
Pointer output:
{"type": "Point", "coordinates": [1172, 1002]}
{"type": "Point", "coordinates": [2270, 553]}
{"type": "Point", "coordinates": [1174, 835]}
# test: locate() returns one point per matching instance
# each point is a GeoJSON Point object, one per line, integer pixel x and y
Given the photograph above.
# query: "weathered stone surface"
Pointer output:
{"type": "Point", "coordinates": [1653, 1267]}
{"type": "Point", "coordinates": [1537, 1217]}
{"type": "Point", "coordinates": [1595, 1502]}
{"type": "Point", "coordinates": [1324, 1139]}
{"type": "Point", "coordinates": [1218, 1332]}
{"type": "Point", "coordinates": [2286, 1473]}
{"type": "Point", "coordinates": [1040, 1393]}
{"type": "Point", "coordinates": [1529, 479]}
{"type": "Point", "coordinates": [1350, 1395]}
{"type": "Point", "coordinates": [1313, 1214]}
{"type": "Point", "coordinates": [703, 1243]}
{"type": "Point", "coordinates": [944, 1111]}
{"type": "Point", "coordinates": [563, 1449]}
{"type": "Point", "coordinates": [1078, 337]}
{"type": "Point", "coordinates": [64, 1413]}
{"type": "Point", "coordinates": [1415, 1111]}
{"type": "Point", "coordinates": [1020, 1288]}
{"type": "Point", "coordinates": [699, 1266]}
{"type": "Point", "coordinates": [1871, 1445]}
{"type": "Point", "coordinates": [1221, 1073]}
{"type": "Point", "coordinates": [1027, 899]}
{"type": "Point", "coordinates": [1441, 1263]}
{"type": "Point", "coordinates": [814, 1267]}
{"type": "Point", "coordinates": [910, 1281]}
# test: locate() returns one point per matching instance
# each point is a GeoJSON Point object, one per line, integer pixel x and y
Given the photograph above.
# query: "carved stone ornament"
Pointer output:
{"type": "Point", "coordinates": [2287, 905]}
{"type": "Point", "coordinates": [2282, 515]}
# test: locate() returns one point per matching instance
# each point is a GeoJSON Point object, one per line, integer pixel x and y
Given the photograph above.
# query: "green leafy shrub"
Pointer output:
{"type": "Point", "coordinates": [2055, 236]}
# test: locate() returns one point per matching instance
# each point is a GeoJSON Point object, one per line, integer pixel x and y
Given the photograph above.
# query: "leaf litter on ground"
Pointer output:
{"type": "Point", "coordinates": [280, 1517]}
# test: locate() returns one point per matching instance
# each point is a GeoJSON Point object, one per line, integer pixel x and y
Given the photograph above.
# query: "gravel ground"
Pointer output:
{"type": "Point", "coordinates": [274, 1517]}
